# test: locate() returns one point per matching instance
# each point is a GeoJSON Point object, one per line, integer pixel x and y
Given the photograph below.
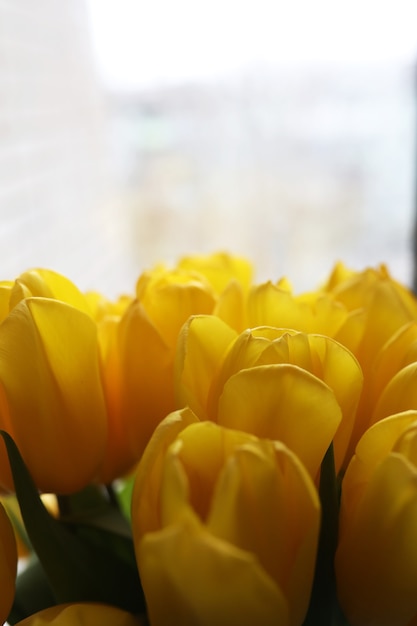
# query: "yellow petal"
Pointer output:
{"type": "Point", "coordinates": [49, 371]}
{"type": "Point", "coordinates": [320, 355]}
{"type": "Point", "coordinates": [340, 370]}
{"type": "Point", "coordinates": [82, 614]}
{"type": "Point", "coordinates": [5, 292]}
{"type": "Point", "coordinates": [374, 446]}
{"type": "Point", "coordinates": [406, 444]}
{"type": "Point", "coordinates": [203, 580]}
{"type": "Point", "coordinates": [220, 269]}
{"type": "Point", "coordinates": [192, 466]}
{"type": "Point", "coordinates": [201, 346]}
{"type": "Point", "coordinates": [285, 403]}
{"type": "Point", "coordinates": [146, 491]}
{"type": "Point", "coordinates": [8, 564]}
{"type": "Point", "coordinates": [399, 395]}
{"type": "Point", "coordinates": [351, 332]}
{"type": "Point", "coordinates": [376, 561]}
{"type": "Point", "coordinates": [101, 307]}
{"type": "Point", "coordinates": [388, 307]}
{"type": "Point", "coordinates": [171, 299]}
{"type": "Point", "coordinates": [139, 386]}
{"type": "Point", "coordinates": [269, 305]}
{"type": "Point", "coordinates": [48, 284]}
{"type": "Point", "coordinates": [231, 306]}
{"type": "Point", "coordinates": [324, 314]}
{"type": "Point", "coordinates": [251, 348]}
{"type": "Point", "coordinates": [399, 351]}
{"type": "Point", "coordinates": [266, 503]}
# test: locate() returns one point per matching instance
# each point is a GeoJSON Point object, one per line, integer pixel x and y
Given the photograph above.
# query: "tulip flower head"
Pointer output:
{"type": "Point", "coordinates": [138, 348]}
{"type": "Point", "coordinates": [225, 527]}
{"type": "Point", "coordinates": [298, 388]}
{"type": "Point", "coordinates": [376, 560]}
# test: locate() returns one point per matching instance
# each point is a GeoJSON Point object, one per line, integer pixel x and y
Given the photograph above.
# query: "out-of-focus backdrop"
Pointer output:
{"type": "Point", "coordinates": [134, 132]}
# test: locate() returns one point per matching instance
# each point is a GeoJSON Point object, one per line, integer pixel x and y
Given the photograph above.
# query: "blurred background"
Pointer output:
{"type": "Point", "coordinates": [133, 132]}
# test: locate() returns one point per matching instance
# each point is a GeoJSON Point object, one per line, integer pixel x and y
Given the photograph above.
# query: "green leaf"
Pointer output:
{"type": "Point", "coordinates": [92, 507]}
{"type": "Point", "coordinates": [78, 568]}
{"type": "Point", "coordinates": [323, 608]}
{"type": "Point", "coordinates": [33, 592]}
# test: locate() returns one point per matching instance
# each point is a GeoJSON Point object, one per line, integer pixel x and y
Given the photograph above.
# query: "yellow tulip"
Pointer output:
{"type": "Point", "coordinates": [275, 305]}
{"type": "Point", "coordinates": [398, 352]}
{"type": "Point", "coordinates": [231, 279]}
{"type": "Point", "coordinates": [387, 305]}
{"type": "Point", "coordinates": [380, 307]}
{"type": "Point", "coordinates": [300, 388]}
{"type": "Point", "coordinates": [376, 559]}
{"type": "Point", "coordinates": [138, 348]}
{"type": "Point", "coordinates": [101, 308]}
{"type": "Point", "coordinates": [8, 565]}
{"type": "Point", "coordinates": [45, 283]}
{"type": "Point", "coordinates": [5, 291]}
{"type": "Point", "coordinates": [138, 384]}
{"type": "Point", "coordinates": [138, 352]}
{"type": "Point", "coordinates": [220, 269]}
{"type": "Point", "coordinates": [82, 614]}
{"type": "Point", "coordinates": [51, 397]}
{"type": "Point", "coordinates": [358, 289]}
{"type": "Point", "coordinates": [40, 283]}
{"type": "Point", "coordinates": [225, 527]}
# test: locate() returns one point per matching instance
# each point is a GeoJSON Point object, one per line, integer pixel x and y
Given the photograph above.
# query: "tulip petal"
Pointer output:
{"type": "Point", "coordinates": [219, 269]}
{"type": "Point", "coordinates": [285, 403]}
{"type": "Point", "coordinates": [137, 373]}
{"type": "Point", "coordinates": [253, 347]}
{"type": "Point", "coordinates": [268, 305]}
{"type": "Point", "coordinates": [190, 577]}
{"type": "Point", "coordinates": [271, 305]}
{"type": "Point", "coordinates": [388, 307]}
{"type": "Point", "coordinates": [231, 306]}
{"type": "Point", "coordinates": [376, 561]}
{"type": "Point", "coordinates": [48, 284]}
{"type": "Point", "coordinates": [399, 351]}
{"type": "Point", "coordinates": [339, 369]}
{"type": "Point", "coordinates": [375, 444]}
{"type": "Point", "coordinates": [49, 370]}
{"type": "Point", "coordinates": [201, 346]}
{"type": "Point", "coordinates": [399, 395]}
{"type": "Point", "coordinates": [82, 614]}
{"type": "Point", "coordinates": [146, 494]}
{"type": "Point", "coordinates": [170, 300]}
{"type": "Point", "coordinates": [197, 458]}
{"type": "Point", "coordinates": [252, 509]}
{"type": "Point", "coordinates": [5, 292]}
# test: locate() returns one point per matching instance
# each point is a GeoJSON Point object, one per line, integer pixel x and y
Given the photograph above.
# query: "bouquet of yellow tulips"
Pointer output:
{"type": "Point", "coordinates": [209, 450]}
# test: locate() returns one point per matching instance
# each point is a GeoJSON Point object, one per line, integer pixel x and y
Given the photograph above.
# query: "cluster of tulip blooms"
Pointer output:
{"type": "Point", "coordinates": [209, 450]}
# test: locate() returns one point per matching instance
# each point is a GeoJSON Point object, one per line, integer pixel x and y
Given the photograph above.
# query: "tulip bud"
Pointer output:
{"type": "Point", "coordinates": [376, 559]}
{"type": "Point", "coordinates": [138, 349]}
{"type": "Point", "coordinates": [45, 283]}
{"type": "Point", "coordinates": [225, 527]}
{"type": "Point", "coordinates": [274, 383]}
{"type": "Point", "coordinates": [51, 399]}
{"type": "Point", "coordinates": [380, 307]}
